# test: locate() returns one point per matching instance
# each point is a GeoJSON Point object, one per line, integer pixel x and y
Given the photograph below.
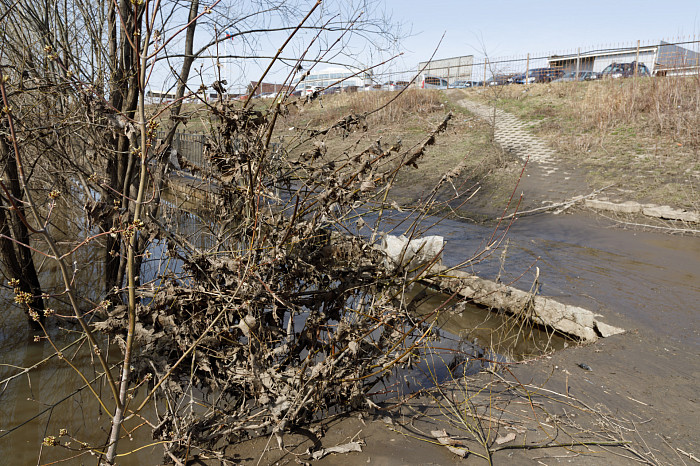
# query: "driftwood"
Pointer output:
{"type": "Point", "coordinates": [562, 206]}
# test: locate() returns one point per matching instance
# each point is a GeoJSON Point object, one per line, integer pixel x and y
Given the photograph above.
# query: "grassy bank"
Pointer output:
{"type": "Point", "coordinates": [641, 134]}
{"type": "Point", "coordinates": [408, 120]}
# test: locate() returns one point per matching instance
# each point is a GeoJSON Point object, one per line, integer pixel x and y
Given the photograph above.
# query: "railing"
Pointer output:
{"type": "Point", "coordinates": [189, 145]}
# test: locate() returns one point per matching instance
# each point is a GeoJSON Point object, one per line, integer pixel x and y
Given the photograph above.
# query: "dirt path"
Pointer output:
{"type": "Point", "coordinates": [547, 179]}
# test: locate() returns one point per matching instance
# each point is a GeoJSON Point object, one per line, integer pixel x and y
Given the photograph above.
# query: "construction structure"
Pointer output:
{"type": "Point", "coordinates": [451, 69]}
{"type": "Point", "coordinates": [266, 88]}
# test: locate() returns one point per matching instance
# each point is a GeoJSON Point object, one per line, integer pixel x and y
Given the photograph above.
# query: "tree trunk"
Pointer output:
{"type": "Point", "coordinates": [17, 259]}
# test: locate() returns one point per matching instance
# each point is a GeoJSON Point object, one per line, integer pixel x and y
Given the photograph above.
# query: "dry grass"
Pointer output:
{"type": "Point", "coordinates": [332, 107]}
{"type": "Point", "coordinates": [642, 134]}
{"type": "Point", "coordinates": [411, 116]}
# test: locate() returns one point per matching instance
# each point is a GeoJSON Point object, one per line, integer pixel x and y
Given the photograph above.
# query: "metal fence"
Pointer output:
{"type": "Point", "coordinates": [189, 145]}
{"type": "Point", "coordinates": [669, 57]}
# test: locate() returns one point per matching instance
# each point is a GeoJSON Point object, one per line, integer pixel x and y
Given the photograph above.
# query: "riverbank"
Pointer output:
{"type": "Point", "coordinates": [637, 388]}
{"type": "Point", "coordinates": [627, 399]}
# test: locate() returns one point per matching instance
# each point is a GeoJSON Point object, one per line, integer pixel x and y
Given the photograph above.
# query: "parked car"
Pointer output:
{"type": "Point", "coordinates": [459, 85]}
{"type": "Point", "coordinates": [539, 75]}
{"type": "Point", "coordinates": [500, 79]}
{"type": "Point", "coordinates": [331, 90]}
{"type": "Point", "coordinates": [312, 90]}
{"type": "Point", "coordinates": [432, 82]}
{"type": "Point", "coordinates": [582, 76]}
{"type": "Point", "coordinates": [624, 70]}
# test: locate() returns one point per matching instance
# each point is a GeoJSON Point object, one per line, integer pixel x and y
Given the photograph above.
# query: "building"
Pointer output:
{"type": "Point", "coordinates": [341, 77]}
{"type": "Point", "coordinates": [661, 59]}
{"type": "Point", "coordinates": [155, 97]}
{"type": "Point", "coordinates": [451, 69]}
{"type": "Point", "coordinates": [266, 88]}
{"type": "Point", "coordinates": [674, 60]}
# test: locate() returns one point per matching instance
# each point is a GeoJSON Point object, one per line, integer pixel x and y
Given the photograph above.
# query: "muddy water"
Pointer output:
{"type": "Point", "coordinates": [634, 279]}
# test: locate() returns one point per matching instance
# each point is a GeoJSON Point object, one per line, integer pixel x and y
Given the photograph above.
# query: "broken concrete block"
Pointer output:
{"type": "Point", "coordinates": [670, 213]}
{"type": "Point", "coordinates": [606, 330]}
{"type": "Point", "coordinates": [629, 207]}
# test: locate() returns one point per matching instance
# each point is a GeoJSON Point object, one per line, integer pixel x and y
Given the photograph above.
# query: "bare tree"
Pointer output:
{"type": "Point", "coordinates": [75, 77]}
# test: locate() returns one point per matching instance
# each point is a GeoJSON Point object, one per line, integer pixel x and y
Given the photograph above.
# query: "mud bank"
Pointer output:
{"type": "Point", "coordinates": [638, 388]}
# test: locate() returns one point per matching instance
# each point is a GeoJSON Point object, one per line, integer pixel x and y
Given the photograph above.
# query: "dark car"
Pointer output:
{"type": "Point", "coordinates": [500, 79]}
{"type": "Point", "coordinates": [581, 76]}
{"type": "Point", "coordinates": [624, 70]}
{"type": "Point", "coordinates": [538, 75]}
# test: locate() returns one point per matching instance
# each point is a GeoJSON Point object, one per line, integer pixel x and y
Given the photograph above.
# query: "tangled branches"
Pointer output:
{"type": "Point", "coordinates": [289, 314]}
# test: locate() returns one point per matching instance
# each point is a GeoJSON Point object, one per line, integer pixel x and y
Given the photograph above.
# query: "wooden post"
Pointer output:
{"type": "Point", "coordinates": [636, 61]}
{"type": "Point", "coordinates": [527, 69]}
{"type": "Point", "coordinates": [486, 60]}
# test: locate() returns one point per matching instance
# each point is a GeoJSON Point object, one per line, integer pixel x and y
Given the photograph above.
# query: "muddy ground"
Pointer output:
{"type": "Point", "coordinates": [640, 390]}
{"type": "Point", "coordinates": [627, 399]}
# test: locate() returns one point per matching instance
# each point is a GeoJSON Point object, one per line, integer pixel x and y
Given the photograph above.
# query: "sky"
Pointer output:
{"type": "Point", "coordinates": [496, 28]}
{"type": "Point", "coordinates": [508, 28]}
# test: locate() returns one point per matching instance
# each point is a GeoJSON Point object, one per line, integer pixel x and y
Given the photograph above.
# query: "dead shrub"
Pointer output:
{"type": "Point", "coordinates": [288, 313]}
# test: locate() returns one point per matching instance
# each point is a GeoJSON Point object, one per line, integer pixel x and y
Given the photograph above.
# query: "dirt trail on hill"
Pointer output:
{"type": "Point", "coordinates": [547, 179]}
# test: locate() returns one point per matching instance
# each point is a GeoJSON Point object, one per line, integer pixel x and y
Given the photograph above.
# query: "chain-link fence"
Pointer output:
{"type": "Point", "coordinates": [678, 57]}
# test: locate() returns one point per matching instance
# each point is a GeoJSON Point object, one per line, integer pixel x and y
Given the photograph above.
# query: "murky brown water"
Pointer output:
{"type": "Point", "coordinates": [632, 278]}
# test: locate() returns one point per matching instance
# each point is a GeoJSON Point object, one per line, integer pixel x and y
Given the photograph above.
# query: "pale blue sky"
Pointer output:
{"type": "Point", "coordinates": [501, 28]}
{"type": "Point", "coordinates": [506, 27]}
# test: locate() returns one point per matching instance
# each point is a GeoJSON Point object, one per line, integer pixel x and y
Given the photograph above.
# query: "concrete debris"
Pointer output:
{"type": "Point", "coordinates": [669, 213]}
{"type": "Point", "coordinates": [605, 330]}
{"type": "Point", "coordinates": [628, 207]}
{"type": "Point", "coordinates": [570, 320]}
{"type": "Point", "coordinates": [402, 252]}
{"type": "Point", "coordinates": [650, 210]}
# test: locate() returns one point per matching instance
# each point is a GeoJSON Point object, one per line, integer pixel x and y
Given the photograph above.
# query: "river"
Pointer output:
{"type": "Point", "coordinates": [632, 278]}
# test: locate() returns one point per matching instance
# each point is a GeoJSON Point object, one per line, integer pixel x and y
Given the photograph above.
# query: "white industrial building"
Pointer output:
{"type": "Point", "coordinates": [663, 58]}
{"type": "Point", "coordinates": [337, 76]}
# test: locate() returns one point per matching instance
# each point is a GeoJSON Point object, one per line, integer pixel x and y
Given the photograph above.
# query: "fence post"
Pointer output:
{"type": "Point", "coordinates": [636, 61]}
{"type": "Point", "coordinates": [527, 69]}
{"type": "Point", "coordinates": [486, 60]}
{"type": "Point", "coordinates": [578, 64]}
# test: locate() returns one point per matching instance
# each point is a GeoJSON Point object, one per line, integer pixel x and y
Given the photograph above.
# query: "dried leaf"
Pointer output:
{"type": "Point", "coordinates": [505, 438]}
{"type": "Point", "coordinates": [449, 442]}
{"type": "Point", "coordinates": [347, 448]}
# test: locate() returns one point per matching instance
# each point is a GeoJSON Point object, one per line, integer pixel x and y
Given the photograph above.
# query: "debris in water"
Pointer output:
{"type": "Point", "coordinates": [449, 443]}
{"type": "Point", "coordinates": [585, 367]}
{"type": "Point", "coordinates": [506, 438]}
{"type": "Point", "coordinates": [347, 448]}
